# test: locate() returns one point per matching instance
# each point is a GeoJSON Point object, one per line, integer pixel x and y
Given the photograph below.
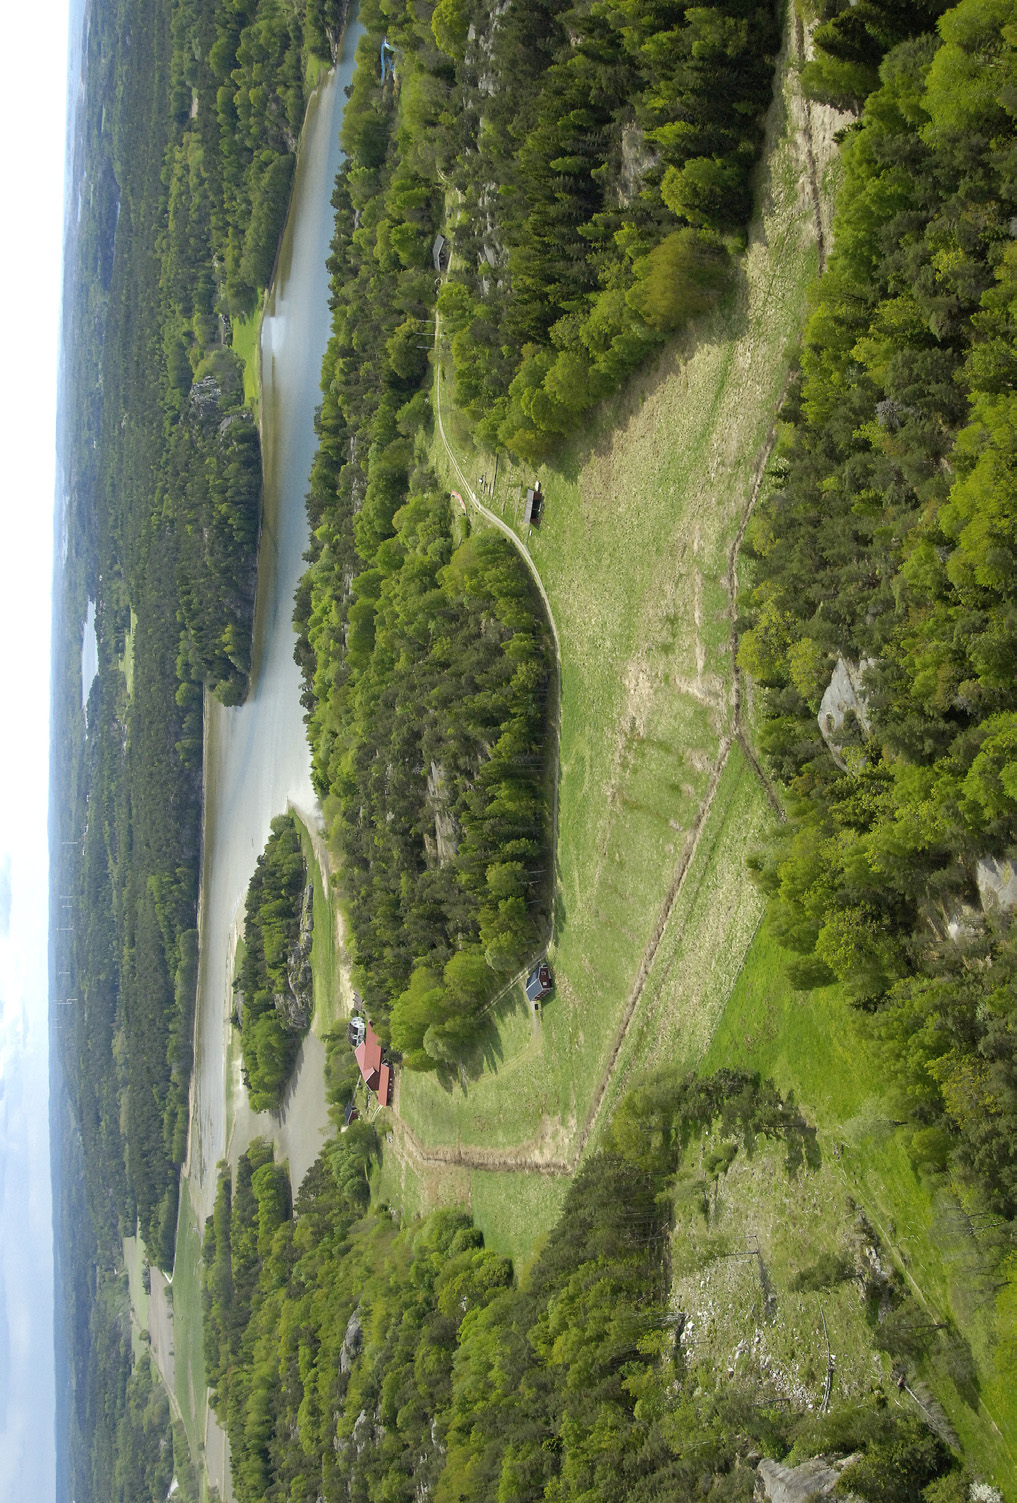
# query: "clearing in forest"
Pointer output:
{"type": "Point", "coordinates": [636, 552]}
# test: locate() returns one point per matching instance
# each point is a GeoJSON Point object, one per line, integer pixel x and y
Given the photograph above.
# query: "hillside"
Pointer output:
{"type": "Point", "coordinates": [733, 286]}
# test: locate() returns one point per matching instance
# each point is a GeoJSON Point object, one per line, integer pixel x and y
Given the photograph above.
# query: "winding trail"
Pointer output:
{"type": "Point", "coordinates": [488, 515]}
{"type": "Point", "coordinates": [532, 1156]}
{"type": "Point", "coordinates": [536, 1156]}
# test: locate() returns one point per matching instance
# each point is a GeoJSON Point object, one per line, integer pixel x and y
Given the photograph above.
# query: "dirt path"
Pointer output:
{"type": "Point", "coordinates": [555, 717]}
{"type": "Point", "coordinates": [532, 1156]}
{"type": "Point", "coordinates": [536, 1155]}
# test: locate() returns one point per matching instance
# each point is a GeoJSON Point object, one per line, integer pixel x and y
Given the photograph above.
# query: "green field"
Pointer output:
{"type": "Point", "coordinates": [134, 1263]}
{"type": "Point", "coordinates": [636, 552]}
{"type": "Point", "coordinates": [188, 1345]}
{"type": "Point", "coordinates": [246, 338]}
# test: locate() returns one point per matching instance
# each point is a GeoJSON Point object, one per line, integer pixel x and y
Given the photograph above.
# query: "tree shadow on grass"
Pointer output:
{"type": "Point", "coordinates": [727, 320]}
{"type": "Point", "coordinates": [487, 1051]}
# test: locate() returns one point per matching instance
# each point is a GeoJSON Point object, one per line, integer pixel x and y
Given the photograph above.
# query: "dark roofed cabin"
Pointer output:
{"type": "Point", "coordinates": [351, 1114]}
{"type": "Point", "coordinates": [534, 506]}
{"type": "Point", "coordinates": [440, 252]}
{"type": "Point", "coordinates": [540, 982]}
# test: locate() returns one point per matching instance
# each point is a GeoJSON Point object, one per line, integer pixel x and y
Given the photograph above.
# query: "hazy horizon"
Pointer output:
{"type": "Point", "coordinates": [34, 181]}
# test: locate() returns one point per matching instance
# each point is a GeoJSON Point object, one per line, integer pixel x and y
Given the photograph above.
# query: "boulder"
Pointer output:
{"type": "Point", "coordinates": [958, 921]}
{"type": "Point", "coordinates": [997, 884]}
{"type": "Point", "coordinates": [351, 1342]}
{"type": "Point", "coordinates": [845, 695]}
{"type": "Point", "coordinates": [800, 1484]}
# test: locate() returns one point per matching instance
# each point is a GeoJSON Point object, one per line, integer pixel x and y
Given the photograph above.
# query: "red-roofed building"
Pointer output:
{"type": "Point", "coordinates": [368, 1057]}
{"type": "Point", "coordinates": [367, 1052]}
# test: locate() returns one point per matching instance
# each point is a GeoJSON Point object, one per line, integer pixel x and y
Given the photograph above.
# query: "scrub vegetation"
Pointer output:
{"type": "Point", "coordinates": [274, 989]}
{"type": "Point", "coordinates": [351, 1356]}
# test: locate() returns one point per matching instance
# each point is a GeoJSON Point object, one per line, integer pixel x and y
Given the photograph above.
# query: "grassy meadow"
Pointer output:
{"type": "Point", "coordinates": [246, 339]}
{"type": "Point", "coordinates": [636, 553]}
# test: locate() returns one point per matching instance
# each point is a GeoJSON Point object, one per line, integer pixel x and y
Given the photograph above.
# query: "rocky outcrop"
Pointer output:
{"type": "Point", "coordinates": [206, 397]}
{"type": "Point", "coordinates": [845, 700]}
{"type": "Point", "coordinates": [776, 1483]}
{"type": "Point", "coordinates": [352, 1342]}
{"type": "Point", "coordinates": [446, 831]}
{"type": "Point", "coordinates": [296, 1004]}
{"type": "Point", "coordinates": [956, 920]}
{"type": "Point", "coordinates": [997, 884]}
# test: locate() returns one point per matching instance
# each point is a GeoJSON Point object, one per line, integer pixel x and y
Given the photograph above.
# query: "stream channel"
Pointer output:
{"type": "Point", "coordinates": [257, 761]}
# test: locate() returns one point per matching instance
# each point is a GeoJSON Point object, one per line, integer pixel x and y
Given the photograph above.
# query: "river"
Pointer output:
{"type": "Point", "coordinates": [257, 761]}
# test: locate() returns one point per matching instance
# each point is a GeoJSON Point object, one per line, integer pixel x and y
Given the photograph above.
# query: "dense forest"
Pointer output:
{"type": "Point", "coordinates": [353, 1358]}
{"type": "Point", "coordinates": [425, 654]}
{"type": "Point", "coordinates": [888, 540]}
{"type": "Point", "coordinates": [273, 984]}
{"type": "Point", "coordinates": [180, 212]}
{"type": "Point", "coordinates": [201, 186]}
{"type": "Point", "coordinates": [601, 162]}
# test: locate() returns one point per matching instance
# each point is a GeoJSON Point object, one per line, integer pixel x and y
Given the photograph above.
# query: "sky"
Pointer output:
{"type": "Point", "coordinates": [32, 184]}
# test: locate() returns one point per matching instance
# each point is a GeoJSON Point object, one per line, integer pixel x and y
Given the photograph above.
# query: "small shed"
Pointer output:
{"type": "Point", "coordinates": [534, 506]}
{"type": "Point", "coordinates": [385, 1084]}
{"type": "Point", "coordinates": [350, 1114]}
{"type": "Point", "coordinates": [440, 253]}
{"type": "Point", "coordinates": [356, 1030]}
{"type": "Point", "coordinates": [540, 982]}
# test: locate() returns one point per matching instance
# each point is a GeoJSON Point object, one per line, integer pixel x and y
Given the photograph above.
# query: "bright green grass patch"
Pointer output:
{"type": "Point", "coordinates": [313, 70]}
{"type": "Point", "coordinates": [634, 551]}
{"type": "Point", "coordinates": [504, 1104]}
{"type": "Point", "coordinates": [815, 1046]}
{"type": "Point", "coordinates": [247, 345]}
{"type": "Point", "coordinates": [188, 1340]}
{"type": "Point", "coordinates": [134, 1263]}
{"type": "Point", "coordinates": [411, 1190]}
{"type": "Point", "coordinates": [516, 1211]}
{"type": "Point", "coordinates": [127, 659]}
{"type": "Point", "coordinates": [325, 957]}
{"type": "Point", "coordinates": [704, 942]}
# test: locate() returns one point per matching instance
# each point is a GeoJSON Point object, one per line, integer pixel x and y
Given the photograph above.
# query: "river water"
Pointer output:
{"type": "Point", "coordinates": [89, 654]}
{"type": "Point", "coordinates": [257, 761]}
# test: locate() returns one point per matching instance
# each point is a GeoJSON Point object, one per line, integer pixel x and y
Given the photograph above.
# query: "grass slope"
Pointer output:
{"type": "Point", "coordinates": [812, 1045]}
{"type": "Point", "coordinates": [635, 552]}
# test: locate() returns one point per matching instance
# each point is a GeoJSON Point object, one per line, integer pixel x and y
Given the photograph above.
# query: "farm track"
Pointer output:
{"type": "Point", "coordinates": [535, 1156]}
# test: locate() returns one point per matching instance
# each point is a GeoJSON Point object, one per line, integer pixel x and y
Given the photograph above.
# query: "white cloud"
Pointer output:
{"type": "Point", "coordinates": [5, 895]}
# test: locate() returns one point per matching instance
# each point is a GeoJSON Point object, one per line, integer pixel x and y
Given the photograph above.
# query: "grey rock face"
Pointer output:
{"type": "Point", "coordinates": [352, 1341]}
{"type": "Point", "coordinates": [297, 1003]}
{"type": "Point", "coordinates": [845, 695]}
{"type": "Point", "coordinates": [997, 884]}
{"type": "Point", "coordinates": [815, 1479]}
